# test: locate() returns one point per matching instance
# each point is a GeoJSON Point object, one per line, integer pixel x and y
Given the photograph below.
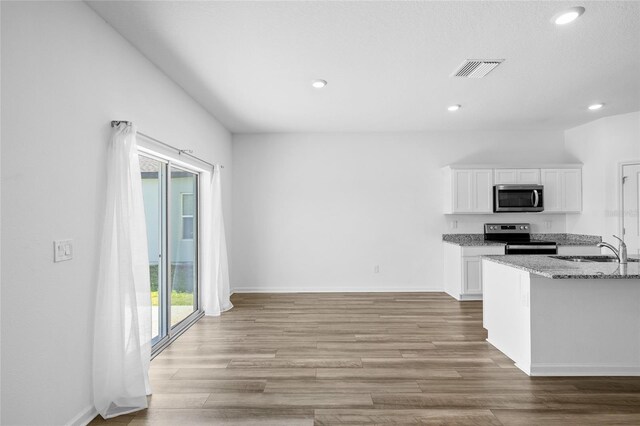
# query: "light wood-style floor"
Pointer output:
{"type": "Point", "coordinates": [372, 358]}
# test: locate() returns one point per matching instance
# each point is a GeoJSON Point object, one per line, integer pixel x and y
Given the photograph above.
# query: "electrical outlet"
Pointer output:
{"type": "Point", "coordinates": [453, 224]}
{"type": "Point", "coordinates": [547, 224]}
{"type": "Point", "coordinates": [62, 250]}
{"type": "Point", "coordinates": [376, 269]}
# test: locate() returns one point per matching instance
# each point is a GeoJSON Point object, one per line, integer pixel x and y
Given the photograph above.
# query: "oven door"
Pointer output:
{"type": "Point", "coordinates": [518, 198]}
{"type": "Point", "coordinates": [516, 248]}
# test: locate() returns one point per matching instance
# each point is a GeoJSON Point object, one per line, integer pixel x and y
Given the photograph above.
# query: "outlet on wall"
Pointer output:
{"type": "Point", "coordinates": [376, 269]}
{"type": "Point", "coordinates": [62, 250]}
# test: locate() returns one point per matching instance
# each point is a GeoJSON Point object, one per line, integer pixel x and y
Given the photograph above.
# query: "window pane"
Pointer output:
{"type": "Point", "coordinates": [187, 227]}
{"type": "Point", "coordinates": [183, 244]}
{"type": "Point", "coordinates": [150, 171]}
{"type": "Point", "coordinates": [188, 204]}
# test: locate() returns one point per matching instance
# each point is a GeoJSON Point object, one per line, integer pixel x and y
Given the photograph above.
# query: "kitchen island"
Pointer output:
{"type": "Point", "coordinates": [558, 317]}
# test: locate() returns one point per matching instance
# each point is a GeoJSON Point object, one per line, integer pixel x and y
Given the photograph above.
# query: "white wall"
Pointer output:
{"type": "Point", "coordinates": [316, 212]}
{"type": "Point", "coordinates": [65, 75]}
{"type": "Point", "coordinates": [601, 145]}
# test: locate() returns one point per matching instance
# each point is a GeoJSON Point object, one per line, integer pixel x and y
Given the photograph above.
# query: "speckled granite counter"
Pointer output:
{"type": "Point", "coordinates": [568, 239]}
{"type": "Point", "coordinates": [560, 239]}
{"type": "Point", "coordinates": [469, 240]}
{"type": "Point", "coordinates": [551, 267]}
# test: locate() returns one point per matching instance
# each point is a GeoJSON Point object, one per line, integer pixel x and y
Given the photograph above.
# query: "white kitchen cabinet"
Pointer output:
{"type": "Point", "coordinates": [469, 188]}
{"type": "Point", "coordinates": [504, 176]}
{"type": "Point", "coordinates": [562, 190]}
{"type": "Point", "coordinates": [516, 176]}
{"type": "Point", "coordinates": [471, 275]}
{"type": "Point", "coordinates": [463, 269]}
{"type": "Point", "coordinates": [470, 191]}
{"type": "Point", "coordinates": [528, 176]}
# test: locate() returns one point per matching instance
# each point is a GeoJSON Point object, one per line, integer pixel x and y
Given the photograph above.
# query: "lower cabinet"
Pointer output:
{"type": "Point", "coordinates": [463, 269]}
{"type": "Point", "coordinates": [471, 275]}
{"type": "Point", "coordinates": [463, 266]}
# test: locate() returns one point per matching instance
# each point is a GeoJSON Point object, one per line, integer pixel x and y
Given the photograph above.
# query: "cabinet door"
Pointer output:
{"type": "Point", "coordinates": [551, 179]}
{"type": "Point", "coordinates": [472, 191]}
{"type": "Point", "coordinates": [472, 275]}
{"type": "Point", "coordinates": [483, 191]}
{"type": "Point", "coordinates": [572, 190]}
{"type": "Point", "coordinates": [462, 191]}
{"type": "Point", "coordinates": [562, 190]}
{"type": "Point", "coordinates": [505, 176]}
{"type": "Point", "coordinates": [528, 176]}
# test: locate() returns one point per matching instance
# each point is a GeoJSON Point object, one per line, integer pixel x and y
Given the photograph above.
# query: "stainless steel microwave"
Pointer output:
{"type": "Point", "coordinates": [518, 198]}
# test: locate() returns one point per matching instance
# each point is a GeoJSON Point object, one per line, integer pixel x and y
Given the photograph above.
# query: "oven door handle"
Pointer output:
{"type": "Point", "coordinates": [536, 198]}
{"type": "Point", "coordinates": [530, 246]}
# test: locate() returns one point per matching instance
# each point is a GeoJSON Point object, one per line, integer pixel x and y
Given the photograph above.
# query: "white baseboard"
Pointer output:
{"type": "Point", "coordinates": [252, 289]}
{"type": "Point", "coordinates": [465, 297]}
{"type": "Point", "coordinates": [581, 370]}
{"type": "Point", "coordinates": [84, 417]}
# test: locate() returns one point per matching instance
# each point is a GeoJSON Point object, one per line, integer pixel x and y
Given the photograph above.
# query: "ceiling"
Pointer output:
{"type": "Point", "coordinates": [389, 64]}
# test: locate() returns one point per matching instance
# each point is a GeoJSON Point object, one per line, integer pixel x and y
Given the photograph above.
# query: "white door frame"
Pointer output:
{"type": "Point", "coordinates": [621, 164]}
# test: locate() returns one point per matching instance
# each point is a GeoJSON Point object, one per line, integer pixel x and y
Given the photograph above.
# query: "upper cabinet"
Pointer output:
{"type": "Point", "coordinates": [562, 190]}
{"type": "Point", "coordinates": [470, 188]}
{"type": "Point", "coordinates": [470, 191]}
{"type": "Point", "coordinates": [507, 176]}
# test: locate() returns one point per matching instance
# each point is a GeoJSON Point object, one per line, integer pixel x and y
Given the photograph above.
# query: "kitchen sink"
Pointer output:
{"type": "Point", "coordinates": [591, 258]}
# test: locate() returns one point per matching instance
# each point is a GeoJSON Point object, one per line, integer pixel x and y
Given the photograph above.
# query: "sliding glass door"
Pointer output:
{"type": "Point", "coordinates": [171, 208]}
{"type": "Point", "coordinates": [183, 244]}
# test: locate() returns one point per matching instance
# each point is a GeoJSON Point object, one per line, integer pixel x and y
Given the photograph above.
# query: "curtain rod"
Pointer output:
{"type": "Point", "coordinates": [187, 152]}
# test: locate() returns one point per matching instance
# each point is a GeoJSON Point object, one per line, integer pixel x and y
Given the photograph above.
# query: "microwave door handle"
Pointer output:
{"type": "Point", "coordinates": [536, 198]}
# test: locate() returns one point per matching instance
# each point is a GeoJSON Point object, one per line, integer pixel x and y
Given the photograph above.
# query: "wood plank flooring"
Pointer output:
{"type": "Point", "coordinates": [363, 358]}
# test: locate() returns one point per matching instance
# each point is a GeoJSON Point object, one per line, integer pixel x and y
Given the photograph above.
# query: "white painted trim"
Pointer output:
{"type": "Point", "coordinates": [84, 417]}
{"type": "Point", "coordinates": [464, 297]}
{"type": "Point", "coordinates": [620, 188]}
{"type": "Point", "coordinates": [581, 370]}
{"type": "Point", "coordinates": [516, 166]}
{"type": "Point", "coordinates": [336, 290]}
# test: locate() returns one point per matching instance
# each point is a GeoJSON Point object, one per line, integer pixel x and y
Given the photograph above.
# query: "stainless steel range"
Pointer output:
{"type": "Point", "coordinates": [517, 239]}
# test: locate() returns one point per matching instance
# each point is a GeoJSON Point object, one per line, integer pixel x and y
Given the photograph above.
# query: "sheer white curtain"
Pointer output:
{"type": "Point", "coordinates": [215, 266]}
{"type": "Point", "coordinates": [122, 335]}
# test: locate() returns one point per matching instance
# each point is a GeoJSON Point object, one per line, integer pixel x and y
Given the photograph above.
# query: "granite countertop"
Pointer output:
{"type": "Point", "coordinates": [469, 240]}
{"type": "Point", "coordinates": [550, 267]}
{"type": "Point", "coordinates": [561, 239]}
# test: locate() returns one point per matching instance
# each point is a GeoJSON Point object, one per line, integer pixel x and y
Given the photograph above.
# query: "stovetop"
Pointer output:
{"type": "Point", "coordinates": [512, 233]}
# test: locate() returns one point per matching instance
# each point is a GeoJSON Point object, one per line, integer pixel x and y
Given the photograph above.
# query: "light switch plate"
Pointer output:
{"type": "Point", "coordinates": [62, 250]}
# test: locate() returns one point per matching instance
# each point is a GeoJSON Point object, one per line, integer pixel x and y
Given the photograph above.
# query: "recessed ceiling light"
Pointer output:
{"type": "Point", "coordinates": [454, 107]}
{"type": "Point", "coordinates": [595, 106]}
{"type": "Point", "coordinates": [567, 15]}
{"type": "Point", "coordinates": [319, 84]}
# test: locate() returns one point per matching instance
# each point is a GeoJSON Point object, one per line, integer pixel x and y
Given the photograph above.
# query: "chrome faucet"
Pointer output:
{"type": "Point", "coordinates": [621, 252]}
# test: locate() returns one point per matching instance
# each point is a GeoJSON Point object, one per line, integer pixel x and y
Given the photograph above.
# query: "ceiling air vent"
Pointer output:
{"type": "Point", "coordinates": [476, 68]}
